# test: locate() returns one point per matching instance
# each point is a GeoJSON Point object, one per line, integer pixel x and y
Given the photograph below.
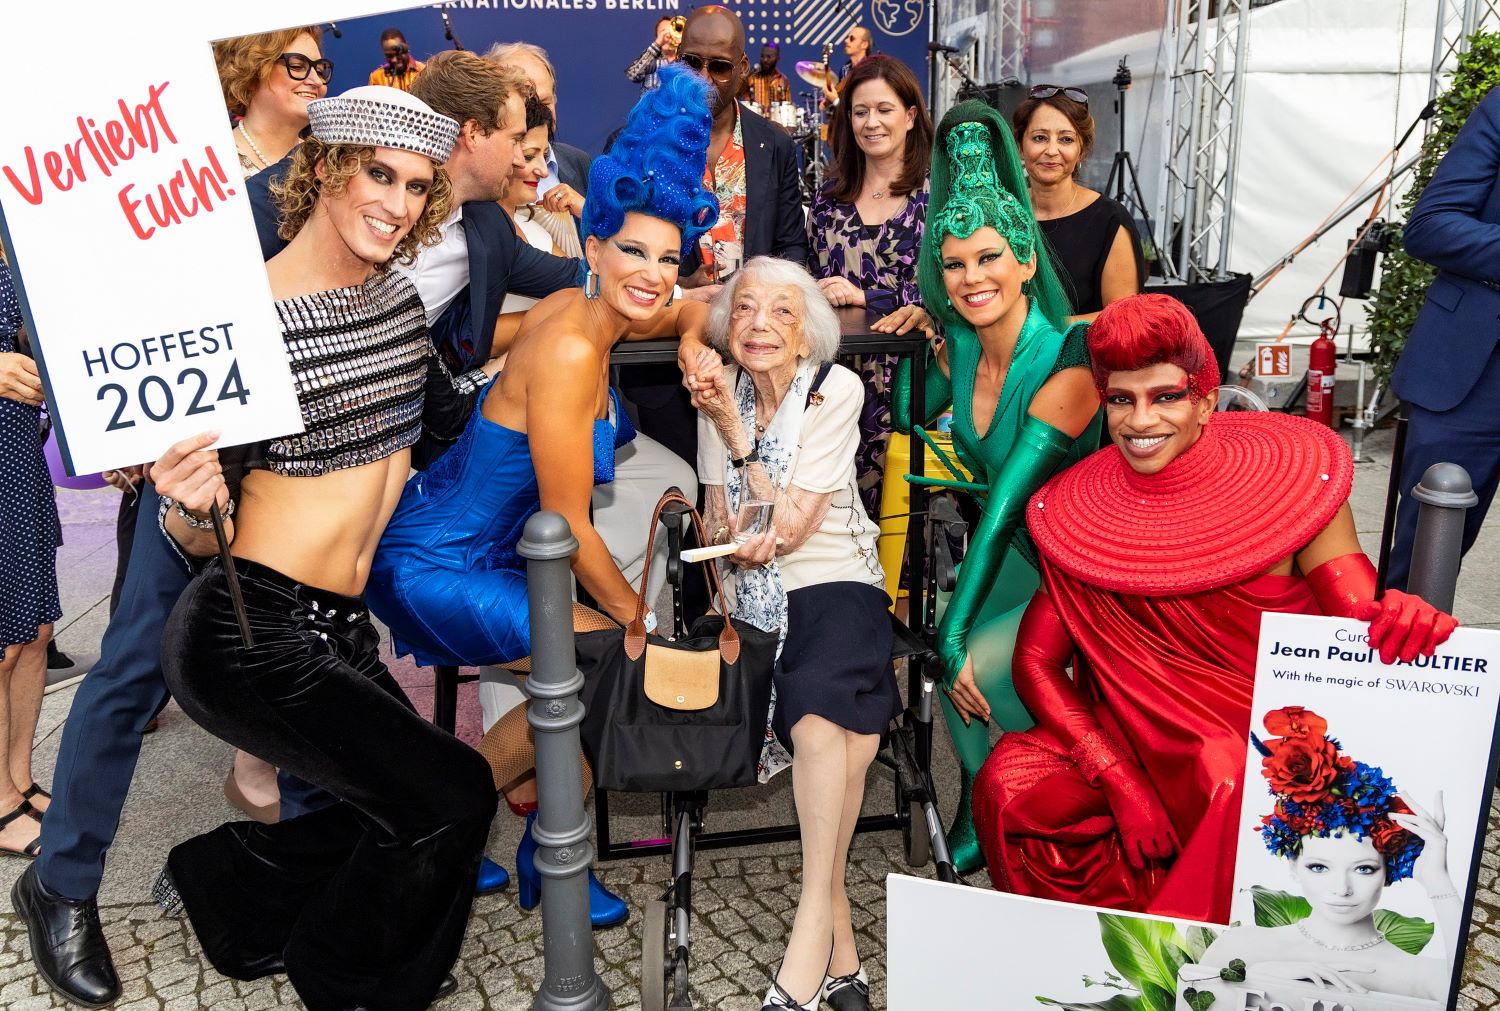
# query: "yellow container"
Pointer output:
{"type": "Point", "coordinates": [895, 499]}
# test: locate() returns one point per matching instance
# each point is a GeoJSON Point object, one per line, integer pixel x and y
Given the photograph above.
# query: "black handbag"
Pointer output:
{"type": "Point", "coordinates": [676, 714]}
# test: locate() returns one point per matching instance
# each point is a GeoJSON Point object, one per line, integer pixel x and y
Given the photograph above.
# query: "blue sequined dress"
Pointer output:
{"type": "Point", "coordinates": [446, 578]}
{"type": "Point", "coordinates": [29, 531]}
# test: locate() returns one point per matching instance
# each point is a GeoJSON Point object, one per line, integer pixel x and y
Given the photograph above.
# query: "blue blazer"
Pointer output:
{"type": "Point", "coordinates": [1456, 228]}
{"type": "Point", "coordinates": [500, 261]}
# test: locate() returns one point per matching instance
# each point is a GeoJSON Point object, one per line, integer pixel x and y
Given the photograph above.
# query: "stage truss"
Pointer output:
{"type": "Point", "coordinates": [1456, 21]}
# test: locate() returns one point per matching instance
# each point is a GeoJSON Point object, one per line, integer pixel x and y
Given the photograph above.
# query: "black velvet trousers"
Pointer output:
{"type": "Point", "coordinates": [364, 902]}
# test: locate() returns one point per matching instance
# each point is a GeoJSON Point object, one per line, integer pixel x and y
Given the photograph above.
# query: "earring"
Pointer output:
{"type": "Point", "coordinates": [1026, 287]}
{"type": "Point", "coordinates": [590, 284]}
{"type": "Point", "coordinates": [948, 302]}
{"type": "Point", "coordinates": [672, 297]}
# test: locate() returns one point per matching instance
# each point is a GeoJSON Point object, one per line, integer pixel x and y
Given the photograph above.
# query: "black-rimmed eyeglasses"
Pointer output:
{"type": "Point", "coordinates": [719, 69]}
{"type": "Point", "coordinates": [1048, 90]}
{"type": "Point", "coordinates": [299, 66]}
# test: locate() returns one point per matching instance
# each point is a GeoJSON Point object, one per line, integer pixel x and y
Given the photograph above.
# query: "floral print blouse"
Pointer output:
{"type": "Point", "coordinates": [881, 260]}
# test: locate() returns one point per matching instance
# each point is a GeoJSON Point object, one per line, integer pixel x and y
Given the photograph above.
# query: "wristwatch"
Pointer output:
{"type": "Point", "coordinates": [751, 457]}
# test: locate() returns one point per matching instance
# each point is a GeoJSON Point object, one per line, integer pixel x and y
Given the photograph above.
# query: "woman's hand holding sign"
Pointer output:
{"type": "Point", "coordinates": [189, 473]}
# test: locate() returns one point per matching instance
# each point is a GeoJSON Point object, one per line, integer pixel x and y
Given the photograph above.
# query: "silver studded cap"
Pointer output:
{"type": "Point", "coordinates": [378, 116]}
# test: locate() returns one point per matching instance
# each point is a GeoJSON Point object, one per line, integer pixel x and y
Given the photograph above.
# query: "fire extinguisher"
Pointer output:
{"type": "Point", "coordinates": [1322, 367]}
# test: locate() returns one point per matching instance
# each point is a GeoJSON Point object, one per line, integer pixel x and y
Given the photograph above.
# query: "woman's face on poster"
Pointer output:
{"type": "Point", "coordinates": [1341, 876]}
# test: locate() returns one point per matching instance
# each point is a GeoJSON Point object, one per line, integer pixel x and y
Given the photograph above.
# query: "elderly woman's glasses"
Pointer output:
{"type": "Point", "coordinates": [1048, 90]}
{"type": "Point", "coordinates": [299, 66]}
{"type": "Point", "coordinates": [718, 69]}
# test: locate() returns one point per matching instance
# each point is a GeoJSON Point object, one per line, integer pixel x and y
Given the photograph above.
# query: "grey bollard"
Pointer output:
{"type": "Point", "coordinates": [562, 827]}
{"type": "Point", "coordinates": [1445, 493]}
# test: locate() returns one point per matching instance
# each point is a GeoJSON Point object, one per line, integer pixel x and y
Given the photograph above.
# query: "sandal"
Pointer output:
{"type": "Point", "coordinates": [31, 849]}
{"type": "Point", "coordinates": [35, 790]}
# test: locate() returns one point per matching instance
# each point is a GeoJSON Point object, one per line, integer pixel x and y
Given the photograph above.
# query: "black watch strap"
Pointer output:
{"type": "Point", "coordinates": [751, 457]}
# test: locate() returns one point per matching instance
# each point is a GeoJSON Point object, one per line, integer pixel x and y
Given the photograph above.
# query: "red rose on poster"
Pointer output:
{"type": "Point", "coordinates": [1387, 837]}
{"type": "Point", "coordinates": [1295, 722]}
{"type": "Point", "coordinates": [1301, 768]}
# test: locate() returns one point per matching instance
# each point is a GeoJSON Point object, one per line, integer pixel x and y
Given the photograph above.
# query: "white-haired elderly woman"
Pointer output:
{"type": "Point", "coordinates": [780, 423]}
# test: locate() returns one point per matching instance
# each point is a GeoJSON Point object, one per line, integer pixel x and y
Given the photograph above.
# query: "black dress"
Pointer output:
{"type": "Point", "coordinates": [1080, 246]}
{"type": "Point", "coordinates": [29, 531]}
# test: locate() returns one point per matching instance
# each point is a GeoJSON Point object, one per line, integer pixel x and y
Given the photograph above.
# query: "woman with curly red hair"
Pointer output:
{"type": "Point", "coordinates": [1158, 556]}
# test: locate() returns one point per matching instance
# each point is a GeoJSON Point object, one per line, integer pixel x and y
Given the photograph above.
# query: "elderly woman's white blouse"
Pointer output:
{"type": "Point", "coordinates": [843, 548]}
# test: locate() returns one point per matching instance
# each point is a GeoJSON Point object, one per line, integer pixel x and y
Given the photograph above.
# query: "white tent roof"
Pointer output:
{"type": "Point", "coordinates": [1331, 85]}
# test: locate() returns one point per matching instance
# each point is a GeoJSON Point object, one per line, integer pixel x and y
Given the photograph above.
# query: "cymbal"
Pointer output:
{"type": "Point", "coordinates": [813, 72]}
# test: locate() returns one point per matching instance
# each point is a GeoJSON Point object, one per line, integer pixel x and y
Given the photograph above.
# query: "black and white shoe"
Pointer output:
{"type": "Point", "coordinates": [847, 993]}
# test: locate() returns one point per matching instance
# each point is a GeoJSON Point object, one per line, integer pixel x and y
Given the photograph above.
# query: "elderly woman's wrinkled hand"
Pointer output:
{"type": "Point", "coordinates": [755, 551]}
{"type": "Point", "coordinates": [19, 379]}
{"type": "Point", "coordinates": [709, 387]}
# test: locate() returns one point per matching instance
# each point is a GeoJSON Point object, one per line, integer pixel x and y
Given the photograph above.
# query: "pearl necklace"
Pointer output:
{"type": "Point", "coordinates": [1362, 946]}
{"type": "Point", "coordinates": [264, 163]}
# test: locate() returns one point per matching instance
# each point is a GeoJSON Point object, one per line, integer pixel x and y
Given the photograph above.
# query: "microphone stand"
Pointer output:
{"type": "Point", "coordinates": [448, 32]}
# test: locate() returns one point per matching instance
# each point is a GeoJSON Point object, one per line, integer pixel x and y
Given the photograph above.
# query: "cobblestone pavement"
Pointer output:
{"type": "Point", "coordinates": [743, 909]}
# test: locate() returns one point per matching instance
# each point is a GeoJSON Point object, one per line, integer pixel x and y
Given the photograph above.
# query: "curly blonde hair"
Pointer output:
{"type": "Point", "coordinates": [246, 61]}
{"type": "Point", "coordinates": [297, 194]}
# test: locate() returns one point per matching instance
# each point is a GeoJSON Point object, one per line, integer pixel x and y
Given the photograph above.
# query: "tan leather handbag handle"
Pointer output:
{"type": "Point", "coordinates": [635, 632]}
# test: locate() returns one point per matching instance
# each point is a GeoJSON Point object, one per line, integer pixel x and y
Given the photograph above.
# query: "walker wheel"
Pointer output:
{"type": "Point", "coordinates": [654, 957]}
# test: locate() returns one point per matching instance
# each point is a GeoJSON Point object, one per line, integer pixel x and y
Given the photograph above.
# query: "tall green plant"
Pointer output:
{"type": "Point", "coordinates": [1404, 280]}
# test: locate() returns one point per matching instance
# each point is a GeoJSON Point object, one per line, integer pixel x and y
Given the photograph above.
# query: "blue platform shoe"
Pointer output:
{"type": "Point", "coordinates": [492, 877]}
{"type": "Point", "coordinates": [606, 909]}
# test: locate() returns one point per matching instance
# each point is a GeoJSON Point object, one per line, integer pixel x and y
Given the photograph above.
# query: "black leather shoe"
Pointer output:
{"type": "Point", "coordinates": [447, 988]}
{"type": "Point", "coordinates": [67, 942]}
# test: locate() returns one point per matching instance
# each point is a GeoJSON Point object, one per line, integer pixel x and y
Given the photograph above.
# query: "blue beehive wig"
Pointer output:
{"type": "Point", "coordinates": [656, 164]}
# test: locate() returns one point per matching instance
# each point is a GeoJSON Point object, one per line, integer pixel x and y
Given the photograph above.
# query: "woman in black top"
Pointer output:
{"type": "Point", "coordinates": [1093, 239]}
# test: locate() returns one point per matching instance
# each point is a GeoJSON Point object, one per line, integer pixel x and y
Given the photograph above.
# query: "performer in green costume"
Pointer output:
{"type": "Point", "coordinates": [1024, 406]}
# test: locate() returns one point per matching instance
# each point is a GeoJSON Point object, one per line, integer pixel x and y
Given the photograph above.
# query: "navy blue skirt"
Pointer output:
{"type": "Point", "coordinates": [836, 662]}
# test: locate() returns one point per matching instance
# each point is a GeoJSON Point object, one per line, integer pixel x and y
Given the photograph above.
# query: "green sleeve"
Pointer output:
{"type": "Point", "coordinates": [938, 394]}
{"type": "Point", "coordinates": [1038, 451]}
{"type": "Point", "coordinates": [1075, 349]}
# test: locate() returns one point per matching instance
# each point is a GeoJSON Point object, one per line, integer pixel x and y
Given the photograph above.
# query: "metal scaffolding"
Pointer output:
{"type": "Point", "coordinates": [1007, 55]}
{"type": "Point", "coordinates": [1456, 21]}
{"type": "Point", "coordinates": [1204, 74]}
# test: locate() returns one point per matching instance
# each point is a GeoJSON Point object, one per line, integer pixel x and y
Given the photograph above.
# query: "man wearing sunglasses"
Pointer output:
{"type": "Point", "coordinates": [858, 44]}
{"type": "Point", "coordinates": [752, 170]}
{"type": "Point", "coordinates": [399, 69]}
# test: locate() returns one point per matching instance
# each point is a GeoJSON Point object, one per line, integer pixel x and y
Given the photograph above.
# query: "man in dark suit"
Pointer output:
{"type": "Point", "coordinates": [1449, 373]}
{"type": "Point", "coordinates": [753, 168]}
{"type": "Point", "coordinates": [102, 736]}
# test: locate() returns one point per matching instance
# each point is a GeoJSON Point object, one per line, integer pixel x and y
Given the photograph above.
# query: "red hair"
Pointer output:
{"type": "Point", "coordinates": [1144, 330]}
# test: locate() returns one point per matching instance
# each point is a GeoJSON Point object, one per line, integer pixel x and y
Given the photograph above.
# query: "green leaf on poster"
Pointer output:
{"type": "Point", "coordinates": [1198, 1000]}
{"type": "Point", "coordinates": [1148, 953]}
{"type": "Point", "coordinates": [1409, 933]}
{"type": "Point", "coordinates": [1198, 940]}
{"type": "Point", "coordinates": [1119, 1002]}
{"type": "Point", "coordinates": [1278, 909]}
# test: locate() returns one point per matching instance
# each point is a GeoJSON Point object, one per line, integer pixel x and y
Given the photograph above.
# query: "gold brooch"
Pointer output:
{"type": "Point", "coordinates": [815, 398]}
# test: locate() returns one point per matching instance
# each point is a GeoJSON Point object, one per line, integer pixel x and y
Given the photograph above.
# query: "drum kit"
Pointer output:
{"type": "Point", "coordinates": [805, 121]}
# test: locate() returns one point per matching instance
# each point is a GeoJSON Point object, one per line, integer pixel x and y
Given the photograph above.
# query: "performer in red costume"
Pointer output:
{"type": "Point", "coordinates": [1159, 555]}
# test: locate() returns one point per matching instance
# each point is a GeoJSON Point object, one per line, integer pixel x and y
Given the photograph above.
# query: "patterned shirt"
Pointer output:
{"type": "Point", "coordinates": [382, 75]}
{"type": "Point", "coordinates": [766, 90]}
{"type": "Point", "coordinates": [724, 245]}
{"type": "Point", "coordinates": [881, 259]}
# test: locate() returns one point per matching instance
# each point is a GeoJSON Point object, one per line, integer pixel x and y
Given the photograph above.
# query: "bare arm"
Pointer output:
{"type": "Point", "coordinates": [562, 398]}
{"type": "Point", "coordinates": [1119, 279]}
{"type": "Point", "coordinates": [1067, 401]}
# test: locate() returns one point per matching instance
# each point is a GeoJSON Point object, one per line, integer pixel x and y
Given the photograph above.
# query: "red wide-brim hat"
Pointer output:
{"type": "Point", "coordinates": [1254, 489]}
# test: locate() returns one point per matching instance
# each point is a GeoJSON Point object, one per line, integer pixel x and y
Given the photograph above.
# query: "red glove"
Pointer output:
{"type": "Point", "coordinates": [1401, 625]}
{"type": "Point", "coordinates": [1139, 814]}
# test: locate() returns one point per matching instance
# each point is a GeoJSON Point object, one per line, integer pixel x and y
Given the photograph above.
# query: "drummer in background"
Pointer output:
{"type": "Point", "coordinates": [766, 86]}
{"type": "Point", "coordinates": [858, 45]}
{"type": "Point", "coordinates": [865, 229]}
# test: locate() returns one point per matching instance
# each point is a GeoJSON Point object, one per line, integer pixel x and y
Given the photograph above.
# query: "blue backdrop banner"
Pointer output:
{"type": "Point", "coordinates": [591, 42]}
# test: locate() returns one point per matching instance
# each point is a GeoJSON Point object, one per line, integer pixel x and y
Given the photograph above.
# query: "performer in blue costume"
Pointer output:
{"type": "Point", "coordinates": [446, 577]}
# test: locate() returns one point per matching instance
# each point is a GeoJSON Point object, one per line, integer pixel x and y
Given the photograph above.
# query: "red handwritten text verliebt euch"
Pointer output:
{"type": "Point", "coordinates": [139, 126]}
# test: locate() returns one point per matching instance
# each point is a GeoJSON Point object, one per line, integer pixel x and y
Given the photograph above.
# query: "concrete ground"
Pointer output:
{"type": "Point", "coordinates": [744, 899]}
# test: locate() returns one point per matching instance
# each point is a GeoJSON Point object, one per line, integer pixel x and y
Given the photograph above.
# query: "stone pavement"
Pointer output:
{"type": "Point", "coordinates": [743, 899]}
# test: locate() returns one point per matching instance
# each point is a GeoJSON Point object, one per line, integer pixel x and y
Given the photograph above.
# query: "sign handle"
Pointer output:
{"type": "Point", "coordinates": [231, 576]}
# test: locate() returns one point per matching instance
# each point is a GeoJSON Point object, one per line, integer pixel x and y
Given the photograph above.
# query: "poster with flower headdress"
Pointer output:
{"type": "Point", "coordinates": [1366, 790]}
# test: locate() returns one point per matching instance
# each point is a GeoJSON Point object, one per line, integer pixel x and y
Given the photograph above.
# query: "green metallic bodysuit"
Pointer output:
{"type": "Point", "coordinates": [1013, 458]}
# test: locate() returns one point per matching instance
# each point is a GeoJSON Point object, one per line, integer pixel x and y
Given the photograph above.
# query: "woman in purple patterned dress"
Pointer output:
{"type": "Point", "coordinates": [865, 229]}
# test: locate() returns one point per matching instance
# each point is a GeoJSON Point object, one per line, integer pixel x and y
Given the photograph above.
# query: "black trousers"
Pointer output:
{"type": "Point", "coordinates": [364, 902]}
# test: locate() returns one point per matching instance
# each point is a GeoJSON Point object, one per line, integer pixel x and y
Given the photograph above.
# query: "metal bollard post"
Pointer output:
{"type": "Point", "coordinates": [562, 826]}
{"type": "Point", "coordinates": [1445, 493]}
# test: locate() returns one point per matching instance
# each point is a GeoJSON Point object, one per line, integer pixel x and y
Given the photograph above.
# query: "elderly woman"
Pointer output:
{"type": "Point", "coordinates": [268, 80]}
{"type": "Point", "coordinates": [781, 425]}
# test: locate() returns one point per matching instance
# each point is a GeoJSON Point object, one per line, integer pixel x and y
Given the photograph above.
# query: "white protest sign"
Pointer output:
{"type": "Point", "coordinates": [129, 229]}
